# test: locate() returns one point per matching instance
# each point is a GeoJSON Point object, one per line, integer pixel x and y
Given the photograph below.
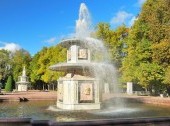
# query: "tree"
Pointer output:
{"type": "Point", "coordinates": [4, 65]}
{"type": "Point", "coordinates": [9, 84]}
{"type": "Point", "coordinates": [40, 73]}
{"type": "Point", "coordinates": [34, 66]}
{"type": "Point", "coordinates": [114, 40]}
{"type": "Point", "coordinates": [167, 76]}
{"type": "Point", "coordinates": [161, 53]}
{"type": "Point", "coordinates": [148, 46]}
{"type": "Point", "coordinates": [19, 59]}
{"type": "Point", "coordinates": [53, 55]}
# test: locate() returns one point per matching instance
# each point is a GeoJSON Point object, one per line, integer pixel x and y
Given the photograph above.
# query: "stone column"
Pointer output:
{"type": "Point", "coordinates": [129, 88]}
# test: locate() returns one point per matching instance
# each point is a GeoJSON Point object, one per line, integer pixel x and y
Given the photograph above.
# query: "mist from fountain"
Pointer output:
{"type": "Point", "coordinates": [83, 24]}
{"type": "Point", "coordinates": [100, 66]}
{"type": "Point", "coordinates": [104, 71]}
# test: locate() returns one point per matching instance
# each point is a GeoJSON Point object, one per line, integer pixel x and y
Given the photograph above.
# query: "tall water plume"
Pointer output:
{"type": "Point", "coordinates": [84, 29]}
{"type": "Point", "coordinates": [83, 24]}
{"type": "Point", "coordinates": [104, 71]}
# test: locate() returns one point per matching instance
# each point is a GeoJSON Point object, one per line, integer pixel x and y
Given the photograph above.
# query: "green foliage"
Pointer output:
{"type": "Point", "coordinates": [34, 66]}
{"type": "Point", "coordinates": [155, 15]}
{"type": "Point", "coordinates": [9, 84]}
{"type": "Point", "coordinates": [114, 40]}
{"type": "Point", "coordinates": [4, 64]}
{"type": "Point", "coordinates": [167, 76]}
{"type": "Point", "coordinates": [41, 62]}
{"type": "Point", "coordinates": [161, 53]}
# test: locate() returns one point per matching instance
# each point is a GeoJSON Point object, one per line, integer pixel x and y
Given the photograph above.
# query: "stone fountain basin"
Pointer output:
{"type": "Point", "coordinates": [76, 66]}
{"type": "Point", "coordinates": [71, 66]}
{"type": "Point", "coordinates": [89, 42]}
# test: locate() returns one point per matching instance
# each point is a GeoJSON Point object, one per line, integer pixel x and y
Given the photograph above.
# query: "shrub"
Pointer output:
{"type": "Point", "coordinates": [8, 85]}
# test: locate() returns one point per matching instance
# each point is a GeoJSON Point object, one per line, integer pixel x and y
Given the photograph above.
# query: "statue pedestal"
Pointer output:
{"type": "Point", "coordinates": [22, 87]}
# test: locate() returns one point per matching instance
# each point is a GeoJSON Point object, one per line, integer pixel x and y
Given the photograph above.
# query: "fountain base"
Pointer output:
{"type": "Point", "coordinates": [22, 87]}
{"type": "Point", "coordinates": [78, 92]}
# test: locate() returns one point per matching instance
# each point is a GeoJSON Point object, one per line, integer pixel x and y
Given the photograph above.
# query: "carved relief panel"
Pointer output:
{"type": "Point", "coordinates": [86, 92]}
{"type": "Point", "coordinates": [82, 53]}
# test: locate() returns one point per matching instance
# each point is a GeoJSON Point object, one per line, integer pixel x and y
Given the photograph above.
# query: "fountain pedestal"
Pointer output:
{"type": "Point", "coordinates": [78, 93]}
{"type": "Point", "coordinates": [23, 82]}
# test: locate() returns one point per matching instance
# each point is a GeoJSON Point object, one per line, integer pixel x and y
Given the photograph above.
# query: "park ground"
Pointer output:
{"type": "Point", "coordinates": [52, 95]}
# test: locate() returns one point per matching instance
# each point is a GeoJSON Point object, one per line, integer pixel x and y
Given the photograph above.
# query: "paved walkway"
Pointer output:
{"type": "Point", "coordinates": [30, 95]}
{"type": "Point", "coordinates": [157, 100]}
{"type": "Point", "coordinates": [152, 100]}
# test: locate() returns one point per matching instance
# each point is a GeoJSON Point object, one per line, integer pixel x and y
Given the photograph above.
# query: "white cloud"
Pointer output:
{"type": "Point", "coordinates": [139, 3]}
{"type": "Point", "coordinates": [51, 40]}
{"type": "Point", "coordinates": [10, 46]}
{"type": "Point", "coordinates": [121, 17]}
{"type": "Point", "coordinates": [133, 19]}
{"type": "Point", "coordinates": [54, 40]}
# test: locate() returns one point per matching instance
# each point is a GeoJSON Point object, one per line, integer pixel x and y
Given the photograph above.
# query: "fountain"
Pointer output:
{"type": "Point", "coordinates": [23, 82]}
{"type": "Point", "coordinates": [81, 87]}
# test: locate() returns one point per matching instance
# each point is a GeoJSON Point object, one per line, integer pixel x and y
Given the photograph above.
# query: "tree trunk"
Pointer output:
{"type": "Point", "coordinates": [43, 86]}
{"type": "Point", "coordinates": [48, 86]}
{"type": "Point", "coordinates": [53, 86]}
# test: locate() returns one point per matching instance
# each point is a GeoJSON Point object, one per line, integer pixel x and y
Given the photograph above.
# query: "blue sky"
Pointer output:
{"type": "Point", "coordinates": [33, 24]}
